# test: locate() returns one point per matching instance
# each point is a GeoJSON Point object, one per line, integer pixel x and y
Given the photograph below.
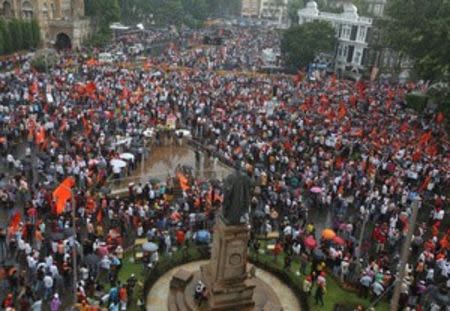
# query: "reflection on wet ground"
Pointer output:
{"type": "Point", "coordinates": [161, 162]}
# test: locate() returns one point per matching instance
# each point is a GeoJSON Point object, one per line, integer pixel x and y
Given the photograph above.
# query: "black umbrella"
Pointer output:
{"type": "Point", "coordinates": [91, 259]}
{"type": "Point", "coordinates": [105, 190]}
{"type": "Point", "coordinates": [57, 236]}
{"type": "Point", "coordinates": [259, 213]}
{"type": "Point", "coordinates": [439, 295]}
{"type": "Point", "coordinates": [68, 232]}
{"type": "Point", "coordinates": [318, 254]}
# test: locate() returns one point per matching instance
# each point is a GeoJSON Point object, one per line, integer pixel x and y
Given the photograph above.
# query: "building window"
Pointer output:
{"type": "Point", "coordinates": [45, 11]}
{"type": "Point", "coordinates": [7, 10]}
{"type": "Point", "coordinates": [357, 59]}
{"type": "Point", "coordinates": [353, 33]}
{"type": "Point", "coordinates": [27, 10]}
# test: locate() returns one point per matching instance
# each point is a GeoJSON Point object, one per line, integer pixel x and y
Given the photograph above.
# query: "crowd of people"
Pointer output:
{"type": "Point", "coordinates": [351, 149]}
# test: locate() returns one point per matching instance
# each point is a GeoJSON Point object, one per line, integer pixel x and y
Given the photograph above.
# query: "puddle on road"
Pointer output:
{"type": "Point", "coordinates": [162, 161]}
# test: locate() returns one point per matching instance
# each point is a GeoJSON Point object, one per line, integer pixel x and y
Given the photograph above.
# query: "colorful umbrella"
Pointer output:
{"type": "Point", "coordinates": [310, 242]}
{"type": "Point", "coordinates": [316, 190]}
{"type": "Point", "coordinates": [328, 234]}
{"type": "Point", "coordinates": [338, 240]}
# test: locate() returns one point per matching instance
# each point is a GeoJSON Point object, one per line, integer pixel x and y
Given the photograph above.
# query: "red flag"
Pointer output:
{"type": "Point", "coordinates": [440, 118]}
{"type": "Point", "coordinates": [432, 150]}
{"type": "Point", "coordinates": [404, 127]}
{"type": "Point", "coordinates": [425, 183]}
{"type": "Point", "coordinates": [353, 100]}
{"type": "Point", "coordinates": [388, 103]}
{"type": "Point", "coordinates": [425, 138]}
{"type": "Point", "coordinates": [342, 111]}
{"type": "Point", "coordinates": [40, 135]}
{"type": "Point", "coordinates": [90, 88]}
{"type": "Point", "coordinates": [417, 155]}
{"type": "Point", "coordinates": [125, 93]}
{"type": "Point", "coordinates": [15, 221]}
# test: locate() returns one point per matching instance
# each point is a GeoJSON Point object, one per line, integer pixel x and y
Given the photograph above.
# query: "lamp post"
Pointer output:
{"type": "Point", "coordinates": [74, 249]}
{"type": "Point", "coordinates": [404, 256]}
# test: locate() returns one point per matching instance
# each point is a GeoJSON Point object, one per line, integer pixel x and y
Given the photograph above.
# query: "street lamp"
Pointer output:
{"type": "Point", "coordinates": [74, 249]}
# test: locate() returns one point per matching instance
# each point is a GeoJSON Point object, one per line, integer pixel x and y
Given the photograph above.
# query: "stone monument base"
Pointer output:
{"type": "Point", "coordinates": [182, 288]}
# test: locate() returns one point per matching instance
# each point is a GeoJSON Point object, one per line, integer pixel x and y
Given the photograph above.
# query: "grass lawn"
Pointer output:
{"type": "Point", "coordinates": [334, 294]}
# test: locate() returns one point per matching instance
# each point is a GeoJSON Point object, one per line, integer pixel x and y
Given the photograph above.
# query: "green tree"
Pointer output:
{"type": "Point", "coordinates": [293, 7]}
{"type": "Point", "coordinates": [35, 33]}
{"type": "Point", "coordinates": [198, 9]}
{"type": "Point", "coordinates": [6, 35]}
{"type": "Point", "coordinates": [27, 34]}
{"type": "Point", "coordinates": [300, 44]}
{"type": "Point", "coordinates": [105, 12]}
{"type": "Point", "coordinates": [222, 8]}
{"type": "Point", "coordinates": [168, 12]}
{"type": "Point", "coordinates": [421, 29]}
{"type": "Point", "coordinates": [15, 30]}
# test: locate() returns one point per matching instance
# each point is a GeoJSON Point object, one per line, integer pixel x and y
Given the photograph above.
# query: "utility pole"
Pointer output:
{"type": "Point", "coordinates": [404, 256]}
{"type": "Point", "coordinates": [74, 247]}
{"type": "Point", "coordinates": [143, 158]}
{"type": "Point", "coordinates": [361, 235]}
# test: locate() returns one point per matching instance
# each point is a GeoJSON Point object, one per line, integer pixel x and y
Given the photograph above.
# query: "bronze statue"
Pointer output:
{"type": "Point", "coordinates": [236, 199]}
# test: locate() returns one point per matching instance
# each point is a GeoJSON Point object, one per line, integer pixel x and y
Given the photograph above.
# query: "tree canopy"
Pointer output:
{"type": "Point", "coordinates": [18, 34]}
{"type": "Point", "coordinates": [176, 12]}
{"type": "Point", "coordinates": [300, 44]}
{"type": "Point", "coordinates": [421, 29]}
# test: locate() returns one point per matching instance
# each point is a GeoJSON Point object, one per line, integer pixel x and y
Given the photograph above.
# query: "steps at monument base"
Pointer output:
{"type": "Point", "coordinates": [180, 301]}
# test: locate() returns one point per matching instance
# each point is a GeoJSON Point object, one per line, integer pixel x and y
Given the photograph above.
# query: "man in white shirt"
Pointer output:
{"type": "Point", "coordinates": [48, 285]}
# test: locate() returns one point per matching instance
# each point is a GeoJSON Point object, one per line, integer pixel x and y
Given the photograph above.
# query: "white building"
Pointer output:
{"type": "Point", "coordinates": [351, 31]}
{"type": "Point", "coordinates": [274, 10]}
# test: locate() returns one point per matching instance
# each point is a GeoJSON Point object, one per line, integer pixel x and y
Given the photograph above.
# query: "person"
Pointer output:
{"type": "Point", "coordinates": [320, 292]}
{"type": "Point", "coordinates": [307, 284]}
{"type": "Point", "coordinates": [200, 292]}
{"type": "Point", "coordinates": [55, 303]}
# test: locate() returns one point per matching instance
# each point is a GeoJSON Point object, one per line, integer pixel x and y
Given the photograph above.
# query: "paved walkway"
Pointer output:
{"type": "Point", "coordinates": [157, 297]}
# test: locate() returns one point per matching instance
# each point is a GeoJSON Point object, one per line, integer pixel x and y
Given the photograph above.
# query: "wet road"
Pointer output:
{"type": "Point", "coordinates": [161, 163]}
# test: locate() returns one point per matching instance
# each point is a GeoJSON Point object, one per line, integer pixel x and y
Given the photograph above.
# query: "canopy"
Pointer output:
{"type": "Point", "coordinates": [338, 240]}
{"type": "Point", "coordinates": [127, 156]}
{"type": "Point", "coordinates": [328, 234]}
{"type": "Point", "coordinates": [310, 242]}
{"type": "Point", "coordinates": [149, 247]}
{"type": "Point", "coordinates": [316, 190]}
{"type": "Point", "coordinates": [118, 163]}
{"type": "Point", "coordinates": [203, 236]}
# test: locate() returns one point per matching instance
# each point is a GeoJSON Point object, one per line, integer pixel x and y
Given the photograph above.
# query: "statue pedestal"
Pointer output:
{"type": "Point", "coordinates": [226, 275]}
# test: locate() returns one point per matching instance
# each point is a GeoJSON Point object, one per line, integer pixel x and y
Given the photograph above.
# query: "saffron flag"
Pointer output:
{"type": "Point", "coordinates": [15, 221]}
{"type": "Point", "coordinates": [63, 193]}
{"type": "Point", "coordinates": [184, 183]}
{"type": "Point", "coordinates": [342, 111]}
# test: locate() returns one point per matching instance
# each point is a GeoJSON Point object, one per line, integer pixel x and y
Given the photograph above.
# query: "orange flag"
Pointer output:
{"type": "Point", "coordinates": [342, 111]}
{"type": "Point", "coordinates": [63, 193]}
{"type": "Point", "coordinates": [183, 182]}
{"type": "Point", "coordinates": [40, 135]}
{"type": "Point", "coordinates": [15, 221]}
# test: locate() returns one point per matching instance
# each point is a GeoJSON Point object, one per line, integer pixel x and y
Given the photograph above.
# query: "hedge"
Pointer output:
{"type": "Point", "coordinates": [417, 102]}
